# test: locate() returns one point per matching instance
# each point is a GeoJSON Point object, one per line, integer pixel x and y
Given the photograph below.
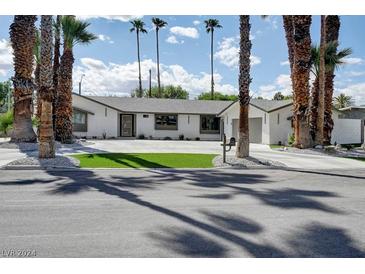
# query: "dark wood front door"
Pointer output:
{"type": "Point", "coordinates": [126, 125]}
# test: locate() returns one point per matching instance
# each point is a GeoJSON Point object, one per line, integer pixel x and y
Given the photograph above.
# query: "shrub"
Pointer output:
{"type": "Point", "coordinates": [291, 139]}
{"type": "Point", "coordinates": [141, 136]}
{"type": "Point", "coordinates": [167, 138]}
{"type": "Point", "coordinates": [104, 135]}
{"type": "Point", "coordinates": [197, 139]}
{"type": "Point", "coordinates": [6, 122]}
{"type": "Point", "coordinates": [181, 137]}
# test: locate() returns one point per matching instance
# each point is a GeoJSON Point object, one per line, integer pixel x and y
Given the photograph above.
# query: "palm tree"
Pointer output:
{"type": "Point", "coordinates": [342, 101]}
{"type": "Point", "coordinates": [244, 87]}
{"type": "Point", "coordinates": [333, 59]}
{"type": "Point", "coordinates": [159, 23]}
{"type": "Point", "coordinates": [300, 78]}
{"type": "Point", "coordinates": [321, 83]}
{"type": "Point", "coordinates": [22, 36]}
{"type": "Point", "coordinates": [138, 26]}
{"type": "Point", "coordinates": [332, 33]}
{"type": "Point", "coordinates": [210, 25]}
{"type": "Point", "coordinates": [74, 32]}
{"type": "Point", "coordinates": [37, 57]}
{"type": "Point", "coordinates": [45, 89]}
{"type": "Point", "coordinates": [56, 65]}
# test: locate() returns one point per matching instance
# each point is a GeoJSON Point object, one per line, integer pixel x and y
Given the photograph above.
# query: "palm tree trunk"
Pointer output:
{"type": "Point", "coordinates": [139, 67]}
{"type": "Point", "coordinates": [301, 70]}
{"type": "Point", "coordinates": [36, 80]}
{"type": "Point", "coordinates": [243, 143]}
{"type": "Point", "coordinates": [46, 136]}
{"type": "Point", "coordinates": [314, 108]}
{"type": "Point", "coordinates": [22, 36]}
{"type": "Point", "coordinates": [158, 66]}
{"type": "Point", "coordinates": [321, 79]}
{"type": "Point", "coordinates": [56, 67]}
{"type": "Point", "coordinates": [64, 106]}
{"type": "Point", "coordinates": [332, 33]}
{"type": "Point", "coordinates": [211, 64]}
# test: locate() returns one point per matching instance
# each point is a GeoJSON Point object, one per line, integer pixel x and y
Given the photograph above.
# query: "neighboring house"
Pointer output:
{"type": "Point", "coordinates": [355, 112]}
{"type": "Point", "coordinates": [125, 117]}
{"type": "Point", "coordinates": [270, 122]}
{"type": "Point", "coordinates": [117, 117]}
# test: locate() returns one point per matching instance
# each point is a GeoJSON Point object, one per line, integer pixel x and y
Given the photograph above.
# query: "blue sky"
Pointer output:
{"type": "Point", "coordinates": [110, 67]}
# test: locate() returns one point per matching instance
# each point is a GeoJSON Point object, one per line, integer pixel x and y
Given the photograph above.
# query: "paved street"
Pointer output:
{"type": "Point", "coordinates": [183, 213]}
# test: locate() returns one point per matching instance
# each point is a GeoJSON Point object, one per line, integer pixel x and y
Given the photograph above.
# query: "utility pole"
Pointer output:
{"type": "Point", "coordinates": [80, 83]}
{"type": "Point", "coordinates": [150, 87]}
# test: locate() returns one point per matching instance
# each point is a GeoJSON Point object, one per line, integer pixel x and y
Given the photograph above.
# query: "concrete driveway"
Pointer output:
{"type": "Point", "coordinates": [183, 213]}
{"type": "Point", "coordinates": [291, 160]}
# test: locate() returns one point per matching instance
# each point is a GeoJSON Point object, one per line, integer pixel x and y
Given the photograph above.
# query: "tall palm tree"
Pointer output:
{"type": "Point", "coordinates": [244, 87]}
{"type": "Point", "coordinates": [74, 32]}
{"type": "Point", "coordinates": [45, 89]}
{"type": "Point", "coordinates": [333, 59]}
{"type": "Point", "coordinates": [37, 58]}
{"type": "Point", "coordinates": [56, 64]}
{"type": "Point", "coordinates": [342, 101]}
{"type": "Point", "coordinates": [321, 83]}
{"type": "Point", "coordinates": [300, 78]}
{"type": "Point", "coordinates": [332, 34]}
{"type": "Point", "coordinates": [210, 26]}
{"type": "Point", "coordinates": [22, 36]}
{"type": "Point", "coordinates": [138, 26]}
{"type": "Point", "coordinates": [158, 23]}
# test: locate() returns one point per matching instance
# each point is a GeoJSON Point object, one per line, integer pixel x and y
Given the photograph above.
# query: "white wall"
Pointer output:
{"type": "Point", "coordinates": [97, 123]}
{"type": "Point", "coordinates": [346, 131]}
{"type": "Point", "coordinates": [188, 125]}
{"type": "Point", "coordinates": [280, 131]}
{"type": "Point", "coordinates": [233, 113]}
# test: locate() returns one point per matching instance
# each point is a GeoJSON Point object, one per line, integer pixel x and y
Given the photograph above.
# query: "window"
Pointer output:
{"type": "Point", "coordinates": [79, 120]}
{"type": "Point", "coordinates": [209, 124]}
{"type": "Point", "coordinates": [265, 118]}
{"type": "Point", "coordinates": [145, 116]}
{"type": "Point", "coordinates": [106, 112]}
{"type": "Point", "coordinates": [166, 122]}
{"type": "Point", "coordinates": [278, 118]}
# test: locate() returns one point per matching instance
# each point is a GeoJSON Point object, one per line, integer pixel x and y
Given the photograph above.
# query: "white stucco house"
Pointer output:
{"type": "Point", "coordinates": [124, 117]}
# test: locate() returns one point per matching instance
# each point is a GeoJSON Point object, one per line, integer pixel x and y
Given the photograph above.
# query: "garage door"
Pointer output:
{"type": "Point", "coordinates": [255, 128]}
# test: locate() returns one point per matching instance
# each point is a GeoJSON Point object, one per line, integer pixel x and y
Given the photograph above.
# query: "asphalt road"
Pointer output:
{"type": "Point", "coordinates": [183, 213]}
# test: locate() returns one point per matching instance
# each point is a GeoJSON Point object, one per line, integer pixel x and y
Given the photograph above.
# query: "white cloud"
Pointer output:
{"type": "Point", "coordinates": [123, 18]}
{"type": "Point", "coordinates": [196, 22]}
{"type": "Point", "coordinates": [105, 38]}
{"type": "Point", "coordinates": [173, 40]}
{"type": "Point", "coordinates": [281, 84]}
{"type": "Point", "coordinates": [273, 21]}
{"type": "Point", "coordinates": [353, 60]}
{"type": "Point", "coordinates": [284, 63]}
{"type": "Point", "coordinates": [356, 91]}
{"type": "Point", "coordinates": [228, 53]}
{"type": "Point", "coordinates": [121, 79]}
{"type": "Point", "coordinates": [6, 57]}
{"type": "Point", "coordinates": [187, 32]}
{"type": "Point", "coordinates": [355, 73]}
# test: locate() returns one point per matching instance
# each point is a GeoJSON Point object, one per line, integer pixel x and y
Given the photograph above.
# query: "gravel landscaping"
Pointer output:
{"type": "Point", "coordinates": [34, 162]}
{"type": "Point", "coordinates": [249, 162]}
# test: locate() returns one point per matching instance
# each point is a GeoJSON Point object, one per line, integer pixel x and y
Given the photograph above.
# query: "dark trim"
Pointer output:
{"type": "Point", "coordinates": [167, 114]}
{"type": "Point", "coordinates": [83, 110]}
{"type": "Point", "coordinates": [76, 127]}
{"type": "Point", "coordinates": [133, 124]}
{"type": "Point", "coordinates": [216, 132]}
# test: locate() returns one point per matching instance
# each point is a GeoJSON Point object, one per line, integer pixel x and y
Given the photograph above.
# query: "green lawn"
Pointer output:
{"type": "Point", "coordinates": [276, 146]}
{"type": "Point", "coordinates": [149, 160]}
{"type": "Point", "coordinates": [357, 158]}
